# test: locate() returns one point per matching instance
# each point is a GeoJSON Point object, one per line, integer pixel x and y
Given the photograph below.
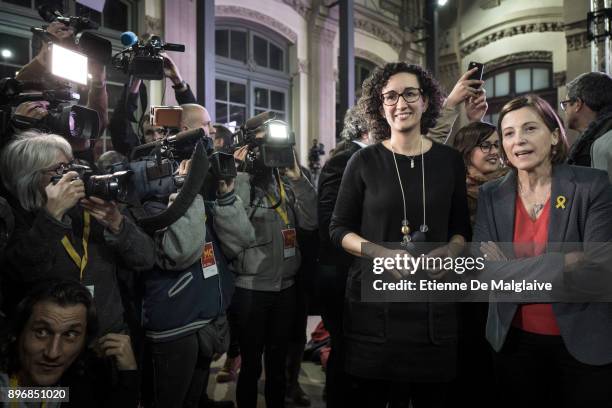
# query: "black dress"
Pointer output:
{"type": "Point", "coordinates": [400, 341]}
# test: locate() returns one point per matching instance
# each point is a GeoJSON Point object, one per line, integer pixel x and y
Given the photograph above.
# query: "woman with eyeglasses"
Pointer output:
{"type": "Point", "coordinates": [559, 219]}
{"type": "Point", "coordinates": [61, 233]}
{"type": "Point", "coordinates": [404, 188]}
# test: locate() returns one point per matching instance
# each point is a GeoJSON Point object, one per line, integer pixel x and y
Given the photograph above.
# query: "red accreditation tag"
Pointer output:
{"type": "Point", "coordinates": [208, 262]}
{"type": "Point", "coordinates": [289, 241]}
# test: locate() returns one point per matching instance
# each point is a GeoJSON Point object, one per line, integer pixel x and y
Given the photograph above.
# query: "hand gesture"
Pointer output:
{"type": "Point", "coordinates": [241, 153]}
{"type": "Point", "coordinates": [476, 108]}
{"type": "Point", "coordinates": [184, 167]}
{"type": "Point", "coordinates": [171, 71]}
{"type": "Point", "coordinates": [34, 109]}
{"type": "Point", "coordinates": [225, 186]}
{"type": "Point", "coordinates": [64, 195]}
{"type": "Point", "coordinates": [105, 212]}
{"type": "Point", "coordinates": [464, 89]}
{"type": "Point", "coordinates": [118, 346]}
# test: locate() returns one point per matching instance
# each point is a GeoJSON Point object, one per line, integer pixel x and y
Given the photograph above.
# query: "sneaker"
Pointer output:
{"type": "Point", "coordinates": [229, 372]}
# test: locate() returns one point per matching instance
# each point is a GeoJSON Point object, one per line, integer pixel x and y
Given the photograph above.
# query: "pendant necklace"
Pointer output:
{"type": "Point", "coordinates": [418, 236]}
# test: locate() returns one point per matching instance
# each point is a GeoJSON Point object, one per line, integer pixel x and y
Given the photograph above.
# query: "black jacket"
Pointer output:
{"type": "Point", "coordinates": [580, 153]}
{"type": "Point", "coordinates": [329, 184]}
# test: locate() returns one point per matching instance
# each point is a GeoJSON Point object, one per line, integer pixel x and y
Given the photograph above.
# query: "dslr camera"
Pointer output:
{"type": "Point", "coordinates": [108, 187]}
{"type": "Point", "coordinates": [142, 59]}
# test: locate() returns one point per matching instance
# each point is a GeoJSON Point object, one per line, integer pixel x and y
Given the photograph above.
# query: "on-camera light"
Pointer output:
{"type": "Point", "coordinates": [278, 130]}
{"type": "Point", "coordinates": [68, 64]}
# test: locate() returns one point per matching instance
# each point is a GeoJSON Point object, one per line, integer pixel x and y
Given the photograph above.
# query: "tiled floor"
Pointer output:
{"type": "Point", "coordinates": [312, 379]}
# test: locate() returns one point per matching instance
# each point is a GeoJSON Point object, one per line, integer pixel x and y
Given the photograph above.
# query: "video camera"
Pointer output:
{"type": "Point", "coordinates": [108, 187]}
{"type": "Point", "coordinates": [63, 118]}
{"type": "Point", "coordinates": [273, 138]}
{"type": "Point", "coordinates": [142, 58]}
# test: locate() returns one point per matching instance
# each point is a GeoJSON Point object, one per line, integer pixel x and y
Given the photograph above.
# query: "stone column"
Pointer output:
{"type": "Point", "coordinates": [322, 84]}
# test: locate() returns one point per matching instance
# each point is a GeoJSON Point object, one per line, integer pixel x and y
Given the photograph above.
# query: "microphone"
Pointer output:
{"type": "Point", "coordinates": [128, 38]}
{"type": "Point", "coordinates": [258, 120]}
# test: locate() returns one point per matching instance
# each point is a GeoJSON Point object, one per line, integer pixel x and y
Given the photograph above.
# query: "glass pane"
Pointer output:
{"type": "Point", "coordinates": [541, 78]}
{"type": "Point", "coordinates": [261, 98]}
{"type": "Point", "coordinates": [237, 93]}
{"type": "Point", "coordinates": [114, 95]}
{"type": "Point", "coordinates": [221, 90]}
{"type": "Point", "coordinates": [116, 15]}
{"type": "Point", "coordinates": [494, 118]}
{"type": "Point", "coordinates": [278, 100]}
{"type": "Point", "coordinates": [258, 111]}
{"type": "Point", "coordinates": [488, 86]}
{"type": "Point", "coordinates": [54, 4]}
{"type": "Point", "coordinates": [276, 57]}
{"type": "Point", "coordinates": [260, 51]}
{"type": "Point", "coordinates": [14, 50]}
{"type": "Point", "coordinates": [22, 3]}
{"type": "Point", "coordinates": [222, 43]}
{"type": "Point", "coordinates": [221, 112]}
{"type": "Point", "coordinates": [237, 113]}
{"type": "Point", "coordinates": [84, 11]}
{"type": "Point", "coordinates": [280, 115]}
{"type": "Point", "coordinates": [238, 46]}
{"type": "Point", "coordinates": [523, 80]}
{"type": "Point", "coordinates": [7, 71]}
{"type": "Point", "coordinates": [502, 84]}
{"type": "Point", "coordinates": [364, 72]}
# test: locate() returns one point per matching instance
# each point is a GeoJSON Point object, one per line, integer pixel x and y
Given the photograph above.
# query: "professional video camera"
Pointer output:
{"type": "Point", "coordinates": [109, 187]}
{"type": "Point", "coordinates": [271, 137]}
{"type": "Point", "coordinates": [63, 118]}
{"type": "Point", "coordinates": [86, 42]}
{"type": "Point", "coordinates": [142, 58]}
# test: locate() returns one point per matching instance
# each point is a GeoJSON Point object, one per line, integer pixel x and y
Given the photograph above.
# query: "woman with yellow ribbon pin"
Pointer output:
{"type": "Point", "coordinates": [547, 354]}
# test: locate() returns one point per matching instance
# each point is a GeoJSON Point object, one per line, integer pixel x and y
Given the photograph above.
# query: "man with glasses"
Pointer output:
{"type": "Point", "coordinates": [588, 109]}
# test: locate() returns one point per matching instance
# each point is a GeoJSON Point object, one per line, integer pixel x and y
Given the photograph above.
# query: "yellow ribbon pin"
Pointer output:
{"type": "Point", "coordinates": [561, 202]}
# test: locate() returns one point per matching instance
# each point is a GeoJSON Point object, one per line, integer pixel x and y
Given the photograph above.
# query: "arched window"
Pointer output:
{"type": "Point", "coordinates": [252, 65]}
{"type": "Point", "coordinates": [506, 83]}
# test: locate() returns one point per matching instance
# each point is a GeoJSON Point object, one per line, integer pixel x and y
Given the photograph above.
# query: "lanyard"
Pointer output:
{"type": "Point", "coordinates": [280, 209]}
{"type": "Point", "coordinates": [13, 383]}
{"type": "Point", "coordinates": [80, 262]}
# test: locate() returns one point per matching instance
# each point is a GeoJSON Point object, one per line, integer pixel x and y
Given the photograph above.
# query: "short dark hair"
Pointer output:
{"type": "Point", "coordinates": [59, 291]}
{"type": "Point", "coordinates": [371, 100]}
{"type": "Point", "coordinates": [548, 116]}
{"type": "Point", "coordinates": [593, 88]}
{"type": "Point", "coordinates": [470, 136]}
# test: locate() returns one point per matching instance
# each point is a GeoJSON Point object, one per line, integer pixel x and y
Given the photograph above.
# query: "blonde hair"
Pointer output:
{"type": "Point", "coordinates": [23, 161]}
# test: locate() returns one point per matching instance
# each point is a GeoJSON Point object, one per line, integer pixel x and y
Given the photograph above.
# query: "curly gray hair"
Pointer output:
{"type": "Point", "coordinates": [355, 124]}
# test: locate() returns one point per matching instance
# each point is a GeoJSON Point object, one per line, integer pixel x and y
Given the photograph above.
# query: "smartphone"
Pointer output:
{"type": "Point", "coordinates": [478, 74]}
{"type": "Point", "coordinates": [166, 116]}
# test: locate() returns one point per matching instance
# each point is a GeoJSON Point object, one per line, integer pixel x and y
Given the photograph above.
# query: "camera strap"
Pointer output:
{"type": "Point", "coordinates": [279, 208]}
{"type": "Point", "coordinates": [80, 262]}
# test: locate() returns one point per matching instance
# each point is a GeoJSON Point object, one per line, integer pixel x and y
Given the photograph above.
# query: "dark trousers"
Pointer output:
{"type": "Point", "coordinates": [180, 368]}
{"type": "Point", "coordinates": [330, 288]}
{"type": "Point", "coordinates": [371, 393]}
{"type": "Point", "coordinates": [264, 321]}
{"type": "Point", "coordinates": [537, 371]}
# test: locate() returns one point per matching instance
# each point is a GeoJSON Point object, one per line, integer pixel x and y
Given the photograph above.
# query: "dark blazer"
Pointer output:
{"type": "Point", "coordinates": [586, 328]}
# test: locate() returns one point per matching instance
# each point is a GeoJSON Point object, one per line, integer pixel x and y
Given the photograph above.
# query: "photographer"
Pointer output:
{"type": "Point", "coordinates": [97, 97]}
{"type": "Point", "coordinates": [48, 345]}
{"type": "Point", "coordinates": [120, 127]}
{"type": "Point", "coordinates": [61, 233]}
{"type": "Point", "coordinates": [265, 296]}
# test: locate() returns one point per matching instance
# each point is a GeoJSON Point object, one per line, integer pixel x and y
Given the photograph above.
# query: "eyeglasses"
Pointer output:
{"type": "Point", "coordinates": [58, 169]}
{"type": "Point", "coordinates": [409, 94]}
{"type": "Point", "coordinates": [564, 103]}
{"type": "Point", "coordinates": [486, 147]}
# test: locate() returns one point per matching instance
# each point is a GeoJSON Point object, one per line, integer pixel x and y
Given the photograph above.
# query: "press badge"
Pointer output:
{"type": "Point", "coordinates": [208, 262]}
{"type": "Point", "coordinates": [289, 241]}
{"type": "Point", "coordinates": [90, 288]}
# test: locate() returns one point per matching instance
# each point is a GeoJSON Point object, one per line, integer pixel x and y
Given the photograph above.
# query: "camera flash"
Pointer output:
{"type": "Point", "coordinates": [68, 64]}
{"type": "Point", "coordinates": [278, 131]}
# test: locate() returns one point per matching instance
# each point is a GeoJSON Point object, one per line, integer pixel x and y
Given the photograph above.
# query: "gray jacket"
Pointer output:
{"type": "Point", "coordinates": [601, 153]}
{"type": "Point", "coordinates": [262, 264]}
{"type": "Point", "coordinates": [586, 217]}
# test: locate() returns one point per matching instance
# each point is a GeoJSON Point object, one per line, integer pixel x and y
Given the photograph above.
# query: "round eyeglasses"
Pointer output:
{"type": "Point", "coordinates": [409, 94]}
{"type": "Point", "coordinates": [486, 147]}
